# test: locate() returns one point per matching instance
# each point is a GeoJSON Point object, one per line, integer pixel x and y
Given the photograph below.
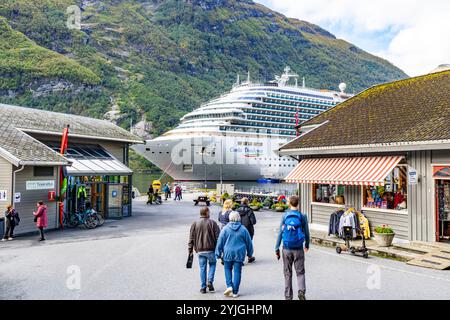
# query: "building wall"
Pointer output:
{"type": "Point", "coordinates": [115, 149]}
{"type": "Point", "coordinates": [29, 199]}
{"type": "Point", "coordinates": [441, 157]}
{"type": "Point", "coordinates": [5, 183]}
{"type": "Point", "coordinates": [421, 198]}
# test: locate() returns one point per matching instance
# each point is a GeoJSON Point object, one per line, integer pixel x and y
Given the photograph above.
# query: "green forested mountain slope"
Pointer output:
{"type": "Point", "coordinates": [162, 58]}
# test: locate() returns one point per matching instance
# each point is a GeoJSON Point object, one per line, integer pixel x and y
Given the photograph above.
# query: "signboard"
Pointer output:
{"type": "Point", "coordinates": [413, 178]}
{"type": "Point", "coordinates": [441, 172]}
{"type": "Point", "coordinates": [17, 197]}
{"type": "Point", "coordinates": [3, 195]}
{"type": "Point", "coordinates": [40, 185]}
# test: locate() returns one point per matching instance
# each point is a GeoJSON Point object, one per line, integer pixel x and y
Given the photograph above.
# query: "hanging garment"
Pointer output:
{"type": "Point", "coordinates": [364, 224]}
{"type": "Point", "coordinates": [348, 219]}
{"type": "Point", "coordinates": [333, 228]}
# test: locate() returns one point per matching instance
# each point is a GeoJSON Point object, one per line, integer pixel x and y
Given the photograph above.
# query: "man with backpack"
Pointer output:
{"type": "Point", "coordinates": [294, 233]}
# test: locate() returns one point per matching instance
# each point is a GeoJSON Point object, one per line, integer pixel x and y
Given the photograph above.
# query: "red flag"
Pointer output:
{"type": "Point", "coordinates": [64, 145]}
{"type": "Point", "coordinates": [297, 123]}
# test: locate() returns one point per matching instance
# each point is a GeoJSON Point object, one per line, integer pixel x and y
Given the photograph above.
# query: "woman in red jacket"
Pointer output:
{"type": "Point", "coordinates": [40, 217]}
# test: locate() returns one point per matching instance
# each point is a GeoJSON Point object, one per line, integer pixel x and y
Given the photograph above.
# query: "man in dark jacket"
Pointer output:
{"type": "Point", "coordinates": [248, 220]}
{"type": "Point", "coordinates": [203, 239]}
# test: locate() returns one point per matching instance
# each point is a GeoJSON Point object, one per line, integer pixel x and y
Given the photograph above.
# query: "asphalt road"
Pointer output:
{"type": "Point", "coordinates": [143, 257]}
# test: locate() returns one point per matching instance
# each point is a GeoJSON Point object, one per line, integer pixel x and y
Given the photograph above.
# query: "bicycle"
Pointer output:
{"type": "Point", "coordinates": [87, 218]}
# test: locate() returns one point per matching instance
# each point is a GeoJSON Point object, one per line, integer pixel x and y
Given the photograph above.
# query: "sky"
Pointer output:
{"type": "Point", "coordinates": [412, 34]}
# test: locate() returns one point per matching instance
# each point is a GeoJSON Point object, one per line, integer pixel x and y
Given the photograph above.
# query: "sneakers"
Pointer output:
{"type": "Point", "coordinates": [228, 292]}
{"type": "Point", "coordinates": [9, 239]}
{"type": "Point", "coordinates": [211, 287]}
{"type": "Point", "coordinates": [41, 239]}
{"type": "Point", "coordinates": [3, 240]}
{"type": "Point", "coordinates": [236, 295]}
{"type": "Point", "coordinates": [251, 259]}
{"type": "Point", "coordinates": [301, 296]}
{"type": "Point", "coordinates": [203, 290]}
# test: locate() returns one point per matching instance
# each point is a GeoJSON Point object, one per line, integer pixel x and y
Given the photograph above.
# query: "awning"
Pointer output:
{"type": "Point", "coordinates": [97, 167]}
{"type": "Point", "coordinates": [346, 171]}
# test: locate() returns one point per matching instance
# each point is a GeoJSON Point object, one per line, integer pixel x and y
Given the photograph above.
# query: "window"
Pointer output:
{"type": "Point", "coordinates": [43, 171]}
{"type": "Point", "coordinates": [328, 193]}
{"type": "Point", "coordinates": [188, 168]}
{"type": "Point", "coordinates": [393, 195]}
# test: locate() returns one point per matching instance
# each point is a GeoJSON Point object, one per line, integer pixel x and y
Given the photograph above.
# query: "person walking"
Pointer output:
{"type": "Point", "coordinates": [248, 220]}
{"type": "Point", "coordinates": [12, 219]}
{"type": "Point", "coordinates": [40, 217]}
{"type": "Point", "coordinates": [150, 194]}
{"type": "Point", "coordinates": [224, 214]}
{"type": "Point", "coordinates": [166, 191]}
{"type": "Point", "coordinates": [294, 233]}
{"type": "Point", "coordinates": [233, 246]}
{"type": "Point", "coordinates": [203, 239]}
{"type": "Point", "coordinates": [177, 193]}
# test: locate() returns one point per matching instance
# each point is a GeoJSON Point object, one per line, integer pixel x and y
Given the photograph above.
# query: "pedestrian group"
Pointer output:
{"type": "Point", "coordinates": [231, 242]}
{"type": "Point", "coordinates": [12, 220]}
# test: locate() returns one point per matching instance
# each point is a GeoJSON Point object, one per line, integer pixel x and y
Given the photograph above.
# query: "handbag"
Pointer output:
{"type": "Point", "coordinates": [190, 260]}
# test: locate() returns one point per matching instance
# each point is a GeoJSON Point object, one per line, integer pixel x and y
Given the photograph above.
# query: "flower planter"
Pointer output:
{"type": "Point", "coordinates": [384, 239]}
{"type": "Point", "coordinates": [255, 208]}
{"type": "Point", "coordinates": [279, 209]}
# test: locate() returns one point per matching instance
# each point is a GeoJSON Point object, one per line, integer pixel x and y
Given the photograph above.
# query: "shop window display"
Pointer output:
{"type": "Point", "coordinates": [392, 195]}
{"type": "Point", "coordinates": [329, 193]}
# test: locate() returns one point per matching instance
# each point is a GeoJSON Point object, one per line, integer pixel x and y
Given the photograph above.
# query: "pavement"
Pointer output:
{"type": "Point", "coordinates": [144, 257]}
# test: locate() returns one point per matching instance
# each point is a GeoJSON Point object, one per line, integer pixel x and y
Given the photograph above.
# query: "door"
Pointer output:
{"type": "Point", "coordinates": [443, 209]}
{"type": "Point", "coordinates": [115, 192]}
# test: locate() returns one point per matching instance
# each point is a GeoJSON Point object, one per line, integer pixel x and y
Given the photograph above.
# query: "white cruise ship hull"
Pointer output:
{"type": "Point", "coordinates": [218, 158]}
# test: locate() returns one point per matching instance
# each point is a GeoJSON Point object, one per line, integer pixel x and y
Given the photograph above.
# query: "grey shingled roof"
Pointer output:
{"type": "Point", "coordinates": [20, 148]}
{"type": "Point", "coordinates": [411, 110]}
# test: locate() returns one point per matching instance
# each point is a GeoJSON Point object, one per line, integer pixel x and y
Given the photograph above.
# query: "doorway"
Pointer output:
{"type": "Point", "coordinates": [443, 210]}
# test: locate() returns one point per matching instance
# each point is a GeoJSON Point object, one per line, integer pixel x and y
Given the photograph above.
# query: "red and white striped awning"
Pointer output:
{"type": "Point", "coordinates": [345, 171]}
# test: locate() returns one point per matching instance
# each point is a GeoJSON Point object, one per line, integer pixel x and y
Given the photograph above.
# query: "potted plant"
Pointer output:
{"type": "Point", "coordinates": [255, 205]}
{"type": "Point", "coordinates": [280, 207]}
{"type": "Point", "coordinates": [224, 197]}
{"type": "Point", "coordinates": [384, 235]}
{"type": "Point", "coordinates": [236, 206]}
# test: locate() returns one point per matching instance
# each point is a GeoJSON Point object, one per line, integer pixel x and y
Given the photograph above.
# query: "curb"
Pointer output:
{"type": "Point", "coordinates": [377, 252]}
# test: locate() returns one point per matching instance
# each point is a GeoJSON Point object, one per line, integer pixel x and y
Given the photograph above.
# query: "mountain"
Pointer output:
{"type": "Point", "coordinates": [157, 60]}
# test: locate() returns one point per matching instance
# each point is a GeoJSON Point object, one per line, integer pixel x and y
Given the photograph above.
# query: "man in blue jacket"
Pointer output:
{"type": "Point", "coordinates": [294, 232]}
{"type": "Point", "coordinates": [233, 246]}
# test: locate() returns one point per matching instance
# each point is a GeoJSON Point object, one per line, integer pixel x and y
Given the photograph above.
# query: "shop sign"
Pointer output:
{"type": "Point", "coordinates": [40, 185]}
{"type": "Point", "coordinates": [413, 178]}
{"type": "Point", "coordinates": [441, 172]}
{"type": "Point", "coordinates": [17, 197]}
{"type": "Point", "coordinates": [3, 195]}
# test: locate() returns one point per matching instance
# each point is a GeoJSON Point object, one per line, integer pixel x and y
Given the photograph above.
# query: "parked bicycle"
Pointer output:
{"type": "Point", "coordinates": [89, 218]}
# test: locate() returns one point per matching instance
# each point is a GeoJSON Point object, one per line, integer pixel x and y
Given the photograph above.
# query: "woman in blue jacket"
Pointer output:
{"type": "Point", "coordinates": [233, 246]}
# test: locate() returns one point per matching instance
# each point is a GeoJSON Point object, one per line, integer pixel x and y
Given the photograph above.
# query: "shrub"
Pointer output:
{"type": "Point", "coordinates": [384, 228]}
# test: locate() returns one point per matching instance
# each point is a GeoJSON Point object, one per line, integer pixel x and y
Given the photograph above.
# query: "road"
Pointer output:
{"type": "Point", "coordinates": [143, 257]}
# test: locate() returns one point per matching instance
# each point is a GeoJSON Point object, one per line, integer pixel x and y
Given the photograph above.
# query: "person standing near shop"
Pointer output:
{"type": "Point", "coordinates": [12, 219]}
{"type": "Point", "coordinates": [203, 239]}
{"type": "Point", "coordinates": [233, 246]}
{"type": "Point", "coordinates": [248, 220]}
{"type": "Point", "coordinates": [40, 217]}
{"type": "Point", "coordinates": [294, 233]}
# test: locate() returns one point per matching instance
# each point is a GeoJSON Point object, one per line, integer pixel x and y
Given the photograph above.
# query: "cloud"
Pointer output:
{"type": "Point", "coordinates": [412, 34]}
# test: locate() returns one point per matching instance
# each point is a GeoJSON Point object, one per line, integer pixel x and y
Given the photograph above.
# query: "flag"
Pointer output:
{"type": "Point", "coordinates": [63, 176]}
{"type": "Point", "coordinates": [297, 123]}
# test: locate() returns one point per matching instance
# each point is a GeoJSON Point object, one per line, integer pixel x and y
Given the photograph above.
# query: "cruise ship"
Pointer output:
{"type": "Point", "coordinates": [235, 137]}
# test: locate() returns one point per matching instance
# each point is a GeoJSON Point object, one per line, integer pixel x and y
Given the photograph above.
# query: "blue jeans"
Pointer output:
{"type": "Point", "coordinates": [203, 260]}
{"type": "Point", "coordinates": [230, 268]}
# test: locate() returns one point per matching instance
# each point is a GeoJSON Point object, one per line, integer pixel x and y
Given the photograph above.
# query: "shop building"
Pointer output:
{"type": "Point", "coordinates": [385, 152]}
{"type": "Point", "coordinates": [95, 164]}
